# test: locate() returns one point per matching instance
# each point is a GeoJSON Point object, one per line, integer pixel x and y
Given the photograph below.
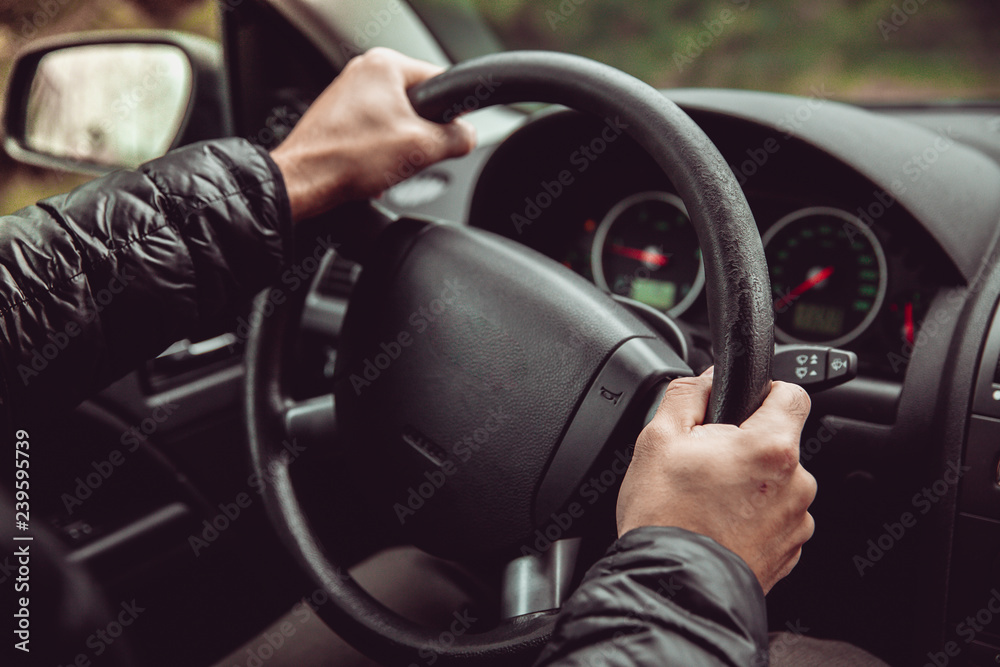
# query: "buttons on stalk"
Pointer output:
{"type": "Point", "coordinates": [814, 367]}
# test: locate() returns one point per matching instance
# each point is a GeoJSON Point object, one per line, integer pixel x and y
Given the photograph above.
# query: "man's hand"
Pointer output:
{"type": "Point", "coordinates": [358, 136]}
{"type": "Point", "coordinates": [742, 486]}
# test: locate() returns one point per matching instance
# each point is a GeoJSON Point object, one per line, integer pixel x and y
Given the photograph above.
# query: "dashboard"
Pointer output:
{"type": "Point", "coordinates": [849, 266]}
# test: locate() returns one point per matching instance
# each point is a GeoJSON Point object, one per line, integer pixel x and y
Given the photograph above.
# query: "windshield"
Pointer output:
{"type": "Point", "coordinates": [876, 51]}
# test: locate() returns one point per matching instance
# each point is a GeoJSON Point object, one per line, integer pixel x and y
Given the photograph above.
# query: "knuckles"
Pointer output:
{"type": "Point", "coordinates": [795, 399]}
{"type": "Point", "coordinates": [779, 455]}
{"type": "Point", "coordinates": [377, 57]}
{"type": "Point", "coordinates": [807, 487]}
{"type": "Point", "coordinates": [685, 386]}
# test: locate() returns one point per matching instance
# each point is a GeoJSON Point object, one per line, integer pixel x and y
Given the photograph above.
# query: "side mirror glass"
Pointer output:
{"type": "Point", "coordinates": [96, 102]}
{"type": "Point", "coordinates": [127, 116]}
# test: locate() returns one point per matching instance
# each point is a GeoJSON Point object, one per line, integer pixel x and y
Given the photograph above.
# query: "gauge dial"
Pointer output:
{"type": "Point", "coordinates": [905, 314]}
{"type": "Point", "coordinates": [828, 276]}
{"type": "Point", "coordinates": [646, 249]}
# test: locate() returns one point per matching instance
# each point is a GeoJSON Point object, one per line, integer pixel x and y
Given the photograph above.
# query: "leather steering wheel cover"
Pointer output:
{"type": "Point", "coordinates": [358, 617]}
{"type": "Point", "coordinates": [741, 317]}
{"type": "Point", "coordinates": [741, 314]}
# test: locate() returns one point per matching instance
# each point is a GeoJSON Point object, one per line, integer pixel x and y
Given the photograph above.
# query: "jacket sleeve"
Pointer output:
{"type": "Point", "coordinates": [663, 596]}
{"type": "Point", "coordinates": [95, 281]}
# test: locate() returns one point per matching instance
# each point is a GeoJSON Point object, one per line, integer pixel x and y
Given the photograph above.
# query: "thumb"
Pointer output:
{"type": "Point", "coordinates": [454, 139]}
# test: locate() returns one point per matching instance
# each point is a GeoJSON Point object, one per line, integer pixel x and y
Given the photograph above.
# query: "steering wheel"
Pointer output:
{"type": "Point", "coordinates": [454, 369]}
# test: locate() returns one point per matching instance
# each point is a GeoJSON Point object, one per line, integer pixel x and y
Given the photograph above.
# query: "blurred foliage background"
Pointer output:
{"type": "Point", "coordinates": [862, 50]}
{"type": "Point", "coordinates": [878, 51]}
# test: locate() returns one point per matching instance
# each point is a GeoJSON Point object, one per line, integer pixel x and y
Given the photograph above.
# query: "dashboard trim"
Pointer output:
{"type": "Point", "coordinates": [888, 152]}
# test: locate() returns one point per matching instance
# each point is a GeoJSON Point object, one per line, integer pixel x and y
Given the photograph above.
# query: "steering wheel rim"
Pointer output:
{"type": "Point", "coordinates": [740, 314]}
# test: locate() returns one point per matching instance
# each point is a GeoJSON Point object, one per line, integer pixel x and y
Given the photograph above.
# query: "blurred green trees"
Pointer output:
{"type": "Point", "coordinates": [869, 50]}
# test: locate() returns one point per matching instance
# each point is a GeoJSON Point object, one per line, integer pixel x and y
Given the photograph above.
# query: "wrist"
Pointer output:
{"type": "Point", "coordinates": [294, 186]}
{"type": "Point", "coordinates": [306, 197]}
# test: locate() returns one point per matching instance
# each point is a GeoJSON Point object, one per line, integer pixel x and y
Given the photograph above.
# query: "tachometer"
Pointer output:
{"type": "Point", "coordinates": [646, 249]}
{"type": "Point", "coordinates": [828, 276]}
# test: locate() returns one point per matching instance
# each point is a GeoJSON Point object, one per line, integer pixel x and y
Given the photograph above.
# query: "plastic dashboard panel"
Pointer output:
{"type": "Point", "coordinates": [884, 150]}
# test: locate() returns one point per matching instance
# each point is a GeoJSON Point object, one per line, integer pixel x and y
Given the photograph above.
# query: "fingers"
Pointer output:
{"type": "Point", "coordinates": [460, 138]}
{"type": "Point", "coordinates": [685, 403]}
{"type": "Point", "coordinates": [411, 71]}
{"type": "Point", "coordinates": [415, 71]}
{"type": "Point", "coordinates": [787, 405]}
{"type": "Point", "coordinates": [804, 488]}
{"type": "Point", "coordinates": [775, 429]}
{"type": "Point", "coordinates": [450, 140]}
{"type": "Point", "coordinates": [783, 571]}
{"type": "Point", "coordinates": [801, 534]}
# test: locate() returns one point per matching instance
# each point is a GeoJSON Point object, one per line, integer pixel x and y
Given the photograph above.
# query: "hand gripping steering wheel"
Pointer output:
{"type": "Point", "coordinates": [469, 332]}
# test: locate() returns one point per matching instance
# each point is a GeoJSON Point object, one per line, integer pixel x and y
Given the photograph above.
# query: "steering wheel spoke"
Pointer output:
{"type": "Point", "coordinates": [539, 582]}
{"type": "Point", "coordinates": [485, 382]}
{"type": "Point", "coordinates": [312, 421]}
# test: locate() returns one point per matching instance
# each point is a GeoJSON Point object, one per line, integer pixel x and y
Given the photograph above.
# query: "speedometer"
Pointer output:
{"type": "Point", "coordinates": [828, 276]}
{"type": "Point", "coordinates": [646, 249]}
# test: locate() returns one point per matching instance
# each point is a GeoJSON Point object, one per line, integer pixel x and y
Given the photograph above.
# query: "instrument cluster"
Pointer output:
{"type": "Point", "coordinates": [840, 276]}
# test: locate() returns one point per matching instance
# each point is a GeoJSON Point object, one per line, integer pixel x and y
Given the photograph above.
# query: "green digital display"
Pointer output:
{"type": "Point", "coordinates": [656, 293]}
{"type": "Point", "coordinates": [818, 319]}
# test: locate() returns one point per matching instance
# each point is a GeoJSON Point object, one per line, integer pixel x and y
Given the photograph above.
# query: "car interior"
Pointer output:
{"type": "Point", "coordinates": [363, 417]}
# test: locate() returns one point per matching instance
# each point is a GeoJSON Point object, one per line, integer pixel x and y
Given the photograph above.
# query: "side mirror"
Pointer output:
{"type": "Point", "coordinates": [96, 102]}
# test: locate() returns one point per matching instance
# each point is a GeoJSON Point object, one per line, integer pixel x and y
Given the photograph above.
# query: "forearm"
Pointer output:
{"type": "Point", "coordinates": [663, 596]}
{"type": "Point", "coordinates": [101, 278]}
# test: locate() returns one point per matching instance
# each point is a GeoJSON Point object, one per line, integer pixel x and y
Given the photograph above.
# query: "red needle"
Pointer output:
{"type": "Point", "coordinates": [647, 256]}
{"type": "Point", "coordinates": [908, 322]}
{"type": "Point", "coordinates": [807, 285]}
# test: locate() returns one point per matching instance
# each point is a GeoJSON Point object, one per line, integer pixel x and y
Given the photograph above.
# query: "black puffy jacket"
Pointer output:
{"type": "Point", "coordinates": [94, 282]}
{"type": "Point", "coordinates": [98, 280]}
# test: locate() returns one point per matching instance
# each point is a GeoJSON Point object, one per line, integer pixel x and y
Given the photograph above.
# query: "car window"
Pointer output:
{"type": "Point", "coordinates": [861, 50]}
